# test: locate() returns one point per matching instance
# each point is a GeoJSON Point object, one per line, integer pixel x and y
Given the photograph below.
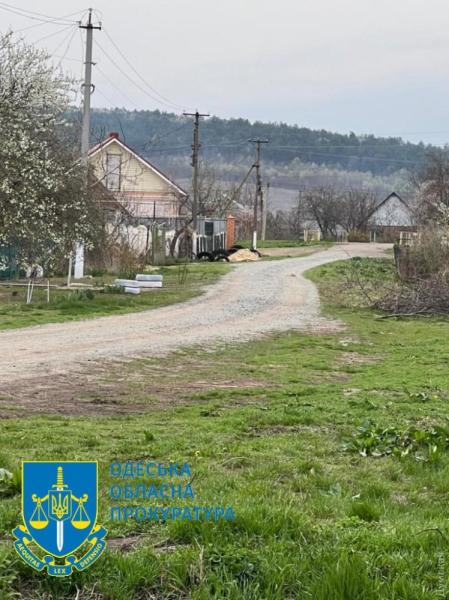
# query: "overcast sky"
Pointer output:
{"type": "Point", "coordinates": [368, 66]}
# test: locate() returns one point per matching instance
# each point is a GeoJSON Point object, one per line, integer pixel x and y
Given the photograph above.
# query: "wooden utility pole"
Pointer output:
{"type": "Point", "coordinates": [87, 91]}
{"type": "Point", "coordinates": [195, 151]}
{"type": "Point", "coordinates": [258, 187]}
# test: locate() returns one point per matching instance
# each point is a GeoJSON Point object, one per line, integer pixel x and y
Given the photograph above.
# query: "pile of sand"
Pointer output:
{"type": "Point", "coordinates": [242, 255]}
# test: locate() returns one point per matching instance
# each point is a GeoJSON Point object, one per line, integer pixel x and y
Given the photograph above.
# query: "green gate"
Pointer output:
{"type": "Point", "coordinates": [9, 269]}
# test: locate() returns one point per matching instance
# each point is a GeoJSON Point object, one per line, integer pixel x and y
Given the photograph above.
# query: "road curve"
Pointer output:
{"type": "Point", "coordinates": [253, 300]}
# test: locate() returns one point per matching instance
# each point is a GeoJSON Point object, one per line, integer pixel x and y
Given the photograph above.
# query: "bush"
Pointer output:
{"type": "Point", "coordinates": [427, 256]}
{"type": "Point", "coordinates": [127, 274]}
{"type": "Point", "coordinates": [358, 236]}
{"type": "Point", "coordinates": [113, 289]}
{"type": "Point", "coordinates": [98, 272]}
{"type": "Point", "coordinates": [77, 295]}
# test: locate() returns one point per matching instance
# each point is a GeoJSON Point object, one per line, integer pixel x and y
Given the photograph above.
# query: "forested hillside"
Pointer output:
{"type": "Point", "coordinates": [166, 135]}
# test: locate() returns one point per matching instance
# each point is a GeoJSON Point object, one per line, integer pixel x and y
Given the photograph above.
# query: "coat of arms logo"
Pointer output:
{"type": "Point", "coordinates": [59, 511]}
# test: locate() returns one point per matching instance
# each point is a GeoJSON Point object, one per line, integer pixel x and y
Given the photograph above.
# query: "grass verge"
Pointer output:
{"type": "Point", "coordinates": [14, 312]}
{"type": "Point", "coordinates": [262, 426]}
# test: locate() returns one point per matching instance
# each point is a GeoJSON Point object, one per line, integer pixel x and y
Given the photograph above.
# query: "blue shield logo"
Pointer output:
{"type": "Point", "coordinates": [59, 504]}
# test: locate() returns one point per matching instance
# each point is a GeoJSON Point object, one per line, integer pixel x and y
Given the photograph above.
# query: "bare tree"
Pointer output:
{"type": "Point", "coordinates": [431, 186]}
{"type": "Point", "coordinates": [296, 218]}
{"type": "Point", "coordinates": [322, 205]}
{"type": "Point", "coordinates": [356, 207]}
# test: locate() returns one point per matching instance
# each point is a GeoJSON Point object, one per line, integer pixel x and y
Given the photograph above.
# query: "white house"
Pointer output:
{"type": "Point", "coordinates": [391, 215]}
{"type": "Point", "coordinates": [140, 187]}
{"type": "Point", "coordinates": [392, 212]}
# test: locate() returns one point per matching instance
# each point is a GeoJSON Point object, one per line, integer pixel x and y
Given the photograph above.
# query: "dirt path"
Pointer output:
{"type": "Point", "coordinates": [254, 300]}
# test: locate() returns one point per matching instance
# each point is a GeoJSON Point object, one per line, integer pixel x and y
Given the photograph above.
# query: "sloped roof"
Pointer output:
{"type": "Point", "coordinates": [385, 200]}
{"type": "Point", "coordinates": [113, 138]}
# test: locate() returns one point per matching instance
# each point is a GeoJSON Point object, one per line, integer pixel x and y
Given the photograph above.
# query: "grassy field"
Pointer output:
{"type": "Point", "coordinates": [14, 312]}
{"type": "Point", "coordinates": [265, 429]}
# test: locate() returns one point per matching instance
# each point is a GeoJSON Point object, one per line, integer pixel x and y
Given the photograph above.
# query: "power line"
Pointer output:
{"type": "Point", "coordinates": [52, 34]}
{"type": "Point", "coordinates": [66, 58]}
{"type": "Point", "coordinates": [62, 21]}
{"type": "Point", "coordinates": [138, 74]}
{"type": "Point", "coordinates": [131, 80]}
{"type": "Point", "coordinates": [68, 45]}
{"type": "Point", "coordinates": [357, 157]}
{"type": "Point", "coordinates": [24, 10]}
{"type": "Point", "coordinates": [105, 97]}
{"type": "Point", "coordinates": [116, 87]}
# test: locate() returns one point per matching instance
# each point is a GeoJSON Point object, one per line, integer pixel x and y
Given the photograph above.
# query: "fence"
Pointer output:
{"type": "Point", "coordinates": [205, 243]}
{"type": "Point", "coordinates": [407, 238]}
{"type": "Point", "coordinates": [312, 235]}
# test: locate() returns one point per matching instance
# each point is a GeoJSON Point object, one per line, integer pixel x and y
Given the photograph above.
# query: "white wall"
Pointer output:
{"type": "Point", "coordinates": [394, 213]}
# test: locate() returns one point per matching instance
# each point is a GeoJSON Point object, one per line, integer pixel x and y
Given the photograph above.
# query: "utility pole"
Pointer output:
{"type": "Point", "coordinates": [87, 91]}
{"type": "Point", "coordinates": [87, 85]}
{"type": "Point", "coordinates": [258, 187]}
{"type": "Point", "coordinates": [195, 151]}
{"type": "Point", "coordinates": [265, 211]}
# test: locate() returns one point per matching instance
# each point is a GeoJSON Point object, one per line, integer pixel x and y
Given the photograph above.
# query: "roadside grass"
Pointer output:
{"type": "Point", "coordinates": [311, 521]}
{"type": "Point", "coordinates": [14, 312]}
{"type": "Point", "coordinates": [283, 244]}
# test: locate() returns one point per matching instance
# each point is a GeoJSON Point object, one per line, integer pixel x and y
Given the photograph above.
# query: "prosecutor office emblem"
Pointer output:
{"type": "Point", "coordinates": [59, 511]}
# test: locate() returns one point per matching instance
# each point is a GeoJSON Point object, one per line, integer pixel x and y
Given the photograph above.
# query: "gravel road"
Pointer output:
{"type": "Point", "coordinates": [254, 300]}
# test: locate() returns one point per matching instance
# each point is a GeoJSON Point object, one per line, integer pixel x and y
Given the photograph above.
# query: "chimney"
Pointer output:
{"type": "Point", "coordinates": [114, 135]}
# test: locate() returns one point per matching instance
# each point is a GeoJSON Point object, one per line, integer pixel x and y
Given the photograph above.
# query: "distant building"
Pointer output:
{"type": "Point", "coordinates": [137, 185]}
{"type": "Point", "coordinates": [392, 215]}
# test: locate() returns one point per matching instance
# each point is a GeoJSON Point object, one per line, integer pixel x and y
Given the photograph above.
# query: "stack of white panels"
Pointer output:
{"type": "Point", "coordinates": [149, 281]}
{"type": "Point", "coordinates": [131, 286]}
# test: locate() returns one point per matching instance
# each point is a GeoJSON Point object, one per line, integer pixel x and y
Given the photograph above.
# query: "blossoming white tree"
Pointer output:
{"type": "Point", "coordinates": [44, 208]}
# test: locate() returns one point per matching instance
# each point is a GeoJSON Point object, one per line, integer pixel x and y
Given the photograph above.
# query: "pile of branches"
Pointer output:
{"type": "Point", "coordinates": [424, 296]}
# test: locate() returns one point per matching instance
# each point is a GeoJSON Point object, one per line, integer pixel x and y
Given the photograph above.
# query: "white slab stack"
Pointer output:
{"type": "Point", "coordinates": [131, 286]}
{"type": "Point", "coordinates": [141, 282]}
{"type": "Point", "coordinates": [149, 281]}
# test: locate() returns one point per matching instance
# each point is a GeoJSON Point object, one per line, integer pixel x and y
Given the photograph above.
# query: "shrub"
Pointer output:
{"type": "Point", "coordinates": [98, 272]}
{"type": "Point", "coordinates": [129, 273]}
{"type": "Point", "coordinates": [428, 255]}
{"type": "Point", "coordinates": [374, 440]}
{"type": "Point", "coordinates": [77, 296]}
{"type": "Point", "coordinates": [358, 236]}
{"type": "Point", "coordinates": [10, 482]}
{"type": "Point", "coordinates": [113, 289]}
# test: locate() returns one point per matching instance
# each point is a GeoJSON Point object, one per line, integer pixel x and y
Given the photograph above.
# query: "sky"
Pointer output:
{"type": "Point", "coordinates": [367, 66]}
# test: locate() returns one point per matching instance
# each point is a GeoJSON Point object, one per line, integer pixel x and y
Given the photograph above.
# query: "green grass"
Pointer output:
{"type": "Point", "coordinates": [14, 312]}
{"type": "Point", "coordinates": [262, 427]}
{"type": "Point", "coordinates": [283, 243]}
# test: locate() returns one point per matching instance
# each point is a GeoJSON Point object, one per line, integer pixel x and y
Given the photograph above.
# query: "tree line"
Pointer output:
{"type": "Point", "coordinates": [160, 135]}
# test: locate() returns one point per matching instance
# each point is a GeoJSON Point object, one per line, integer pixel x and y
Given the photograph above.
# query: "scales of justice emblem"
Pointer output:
{"type": "Point", "coordinates": [59, 510]}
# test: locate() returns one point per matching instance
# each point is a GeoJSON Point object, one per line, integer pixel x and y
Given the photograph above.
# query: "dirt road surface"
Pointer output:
{"type": "Point", "coordinates": [252, 301]}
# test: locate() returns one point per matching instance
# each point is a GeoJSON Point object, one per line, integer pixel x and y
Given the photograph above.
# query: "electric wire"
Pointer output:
{"type": "Point", "coordinates": [131, 80]}
{"type": "Point", "coordinates": [55, 21]}
{"type": "Point", "coordinates": [138, 74]}
{"type": "Point", "coordinates": [116, 87]}
{"type": "Point", "coordinates": [24, 10]}
{"type": "Point", "coordinates": [53, 34]}
{"type": "Point", "coordinates": [68, 45]}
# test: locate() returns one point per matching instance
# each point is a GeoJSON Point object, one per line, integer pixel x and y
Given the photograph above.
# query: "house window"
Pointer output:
{"type": "Point", "coordinates": [113, 172]}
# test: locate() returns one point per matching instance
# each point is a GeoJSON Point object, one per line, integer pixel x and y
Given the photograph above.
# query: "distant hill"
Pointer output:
{"type": "Point", "coordinates": [163, 136]}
